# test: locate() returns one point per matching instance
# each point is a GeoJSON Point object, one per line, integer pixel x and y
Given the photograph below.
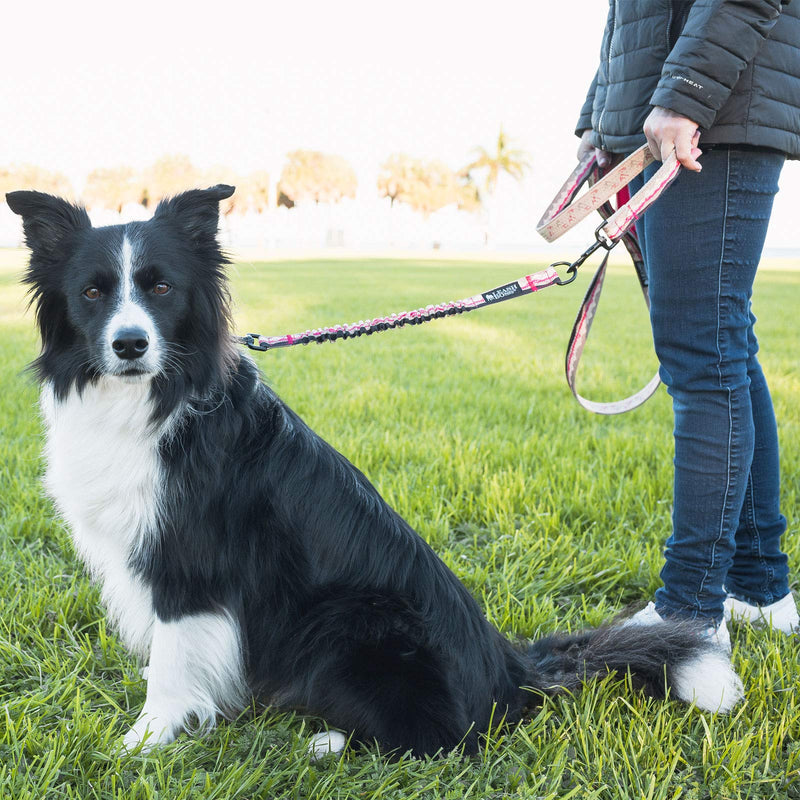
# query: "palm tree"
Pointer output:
{"type": "Point", "coordinates": [504, 158]}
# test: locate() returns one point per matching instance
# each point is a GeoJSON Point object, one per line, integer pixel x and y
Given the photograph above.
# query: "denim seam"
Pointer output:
{"type": "Point", "coordinates": [751, 524]}
{"type": "Point", "coordinates": [725, 504]}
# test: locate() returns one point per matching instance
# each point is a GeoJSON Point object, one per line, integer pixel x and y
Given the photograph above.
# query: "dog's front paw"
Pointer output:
{"type": "Point", "coordinates": [148, 732]}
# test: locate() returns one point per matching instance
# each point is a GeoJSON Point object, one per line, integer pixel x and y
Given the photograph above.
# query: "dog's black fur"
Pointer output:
{"type": "Point", "coordinates": [345, 612]}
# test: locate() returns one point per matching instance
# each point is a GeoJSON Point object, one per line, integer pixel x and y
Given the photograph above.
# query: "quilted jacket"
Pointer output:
{"type": "Point", "coordinates": [732, 66]}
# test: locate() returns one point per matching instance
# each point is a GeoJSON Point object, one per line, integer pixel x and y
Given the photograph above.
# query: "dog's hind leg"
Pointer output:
{"type": "Point", "coordinates": [326, 743]}
{"type": "Point", "coordinates": [363, 663]}
{"type": "Point", "coordinates": [195, 674]}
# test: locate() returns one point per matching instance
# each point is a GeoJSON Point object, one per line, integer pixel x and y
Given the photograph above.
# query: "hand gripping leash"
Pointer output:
{"type": "Point", "coordinates": [564, 212]}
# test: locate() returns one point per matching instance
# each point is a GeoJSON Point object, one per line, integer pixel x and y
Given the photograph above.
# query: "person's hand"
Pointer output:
{"type": "Point", "coordinates": [586, 146]}
{"type": "Point", "coordinates": [667, 131]}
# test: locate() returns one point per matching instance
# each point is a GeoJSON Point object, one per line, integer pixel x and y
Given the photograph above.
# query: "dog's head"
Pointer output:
{"type": "Point", "coordinates": [145, 300]}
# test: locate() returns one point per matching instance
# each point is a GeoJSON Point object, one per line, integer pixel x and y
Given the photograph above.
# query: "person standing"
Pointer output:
{"type": "Point", "coordinates": [718, 81]}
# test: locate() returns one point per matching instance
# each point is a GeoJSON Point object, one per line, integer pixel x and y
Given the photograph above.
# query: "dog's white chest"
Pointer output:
{"type": "Point", "coordinates": [104, 474]}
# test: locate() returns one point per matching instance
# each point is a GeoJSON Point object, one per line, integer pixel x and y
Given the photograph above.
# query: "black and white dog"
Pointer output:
{"type": "Point", "coordinates": [240, 554]}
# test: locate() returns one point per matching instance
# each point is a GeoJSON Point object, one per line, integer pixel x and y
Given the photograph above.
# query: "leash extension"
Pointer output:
{"type": "Point", "coordinates": [508, 291]}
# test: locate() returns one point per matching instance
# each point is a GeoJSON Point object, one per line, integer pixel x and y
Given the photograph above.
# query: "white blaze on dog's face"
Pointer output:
{"type": "Point", "coordinates": [131, 345]}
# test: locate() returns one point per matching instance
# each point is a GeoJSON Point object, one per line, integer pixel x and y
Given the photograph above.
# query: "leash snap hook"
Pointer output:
{"type": "Point", "coordinates": [601, 240]}
{"type": "Point", "coordinates": [253, 341]}
{"type": "Point", "coordinates": [572, 266]}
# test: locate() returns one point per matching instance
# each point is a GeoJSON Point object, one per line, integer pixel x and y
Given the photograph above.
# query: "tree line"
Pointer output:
{"type": "Point", "coordinates": [308, 175]}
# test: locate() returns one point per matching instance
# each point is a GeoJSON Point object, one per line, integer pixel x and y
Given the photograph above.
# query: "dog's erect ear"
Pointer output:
{"type": "Point", "coordinates": [196, 211]}
{"type": "Point", "coordinates": [46, 220]}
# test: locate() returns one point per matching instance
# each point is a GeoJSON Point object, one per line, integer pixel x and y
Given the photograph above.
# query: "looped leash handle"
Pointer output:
{"type": "Point", "coordinates": [577, 342]}
{"type": "Point", "coordinates": [565, 212]}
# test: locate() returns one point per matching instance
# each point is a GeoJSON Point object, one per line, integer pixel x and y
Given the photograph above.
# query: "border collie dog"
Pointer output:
{"type": "Point", "coordinates": [240, 555]}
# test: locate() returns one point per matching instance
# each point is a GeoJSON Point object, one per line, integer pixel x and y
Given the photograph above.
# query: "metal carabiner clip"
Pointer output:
{"type": "Point", "coordinates": [572, 266]}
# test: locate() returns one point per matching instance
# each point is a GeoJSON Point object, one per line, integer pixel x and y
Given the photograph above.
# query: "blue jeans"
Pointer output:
{"type": "Point", "coordinates": [702, 242]}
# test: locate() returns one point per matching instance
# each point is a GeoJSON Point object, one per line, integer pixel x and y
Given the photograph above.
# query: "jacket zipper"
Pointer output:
{"type": "Point", "coordinates": [608, 64]}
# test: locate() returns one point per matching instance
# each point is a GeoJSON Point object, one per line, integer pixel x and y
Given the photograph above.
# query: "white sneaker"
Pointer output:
{"type": "Point", "coordinates": [780, 616]}
{"type": "Point", "coordinates": [649, 616]}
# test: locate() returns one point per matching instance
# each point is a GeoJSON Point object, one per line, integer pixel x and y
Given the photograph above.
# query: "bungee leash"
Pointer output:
{"type": "Point", "coordinates": [563, 213]}
{"type": "Point", "coordinates": [508, 291]}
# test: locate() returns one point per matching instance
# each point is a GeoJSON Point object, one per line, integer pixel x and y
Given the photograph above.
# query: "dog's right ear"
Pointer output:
{"type": "Point", "coordinates": [46, 220]}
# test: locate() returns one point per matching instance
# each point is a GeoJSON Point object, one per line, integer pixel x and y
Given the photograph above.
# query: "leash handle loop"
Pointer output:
{"type": "Point", "coordinates": [565, 212]}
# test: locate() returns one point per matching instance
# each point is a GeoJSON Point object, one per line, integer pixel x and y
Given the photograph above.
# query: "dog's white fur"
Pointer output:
{"type": "Point", "coordinates": [130, 314]}
{"type": "Point", "coordinates": [103, 473]}
{"type": "Point", "coordinates": [195, 672]}
{"type": "Point", "coordinates": [323, 744]}
{"type": "Point", "coordinates": [709, 681]}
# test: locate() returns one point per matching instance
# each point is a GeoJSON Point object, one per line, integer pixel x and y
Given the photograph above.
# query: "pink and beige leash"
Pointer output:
{"type": "Point", "coordinates": [564, 212]}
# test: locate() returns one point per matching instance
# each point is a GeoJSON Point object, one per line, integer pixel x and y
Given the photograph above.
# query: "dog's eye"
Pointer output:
{"type": "Point", "coordinates": [161, 288]}
{"type": "Point", "coordinates": [91, 293]}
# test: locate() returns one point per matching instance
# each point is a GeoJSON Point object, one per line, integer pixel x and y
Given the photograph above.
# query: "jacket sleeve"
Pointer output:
{"type": "Point", "coordinates": [585, 119]}
{"type": "Point", "coordinates": [718, 41]}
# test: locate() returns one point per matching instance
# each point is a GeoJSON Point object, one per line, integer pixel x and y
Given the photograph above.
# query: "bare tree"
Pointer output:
{"type": "Point", "coordinates": [29, 176]}
{"type": "Point", "coordinates": [426, 186]}
{"type": "Point", "coordinates": [397, 177]}
{"type": "Point", "coordinates": [312, 175]}
{"type": "Point", "coordinates": [169, 176]}
{"type": "Point", "coordinates": [113, 188]}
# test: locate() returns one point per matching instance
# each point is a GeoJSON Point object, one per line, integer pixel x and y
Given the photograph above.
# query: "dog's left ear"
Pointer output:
{"type": "Point", "coordinates": [196, 211]}
{"type": "Point", "coordinates": [48, 221]}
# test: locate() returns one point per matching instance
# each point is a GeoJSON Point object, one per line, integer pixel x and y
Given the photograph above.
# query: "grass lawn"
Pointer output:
{"type": "Point", "coordinates": [552, 517]}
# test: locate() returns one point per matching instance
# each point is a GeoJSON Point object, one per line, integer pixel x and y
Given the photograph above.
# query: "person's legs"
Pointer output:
{"type": "Point", "coordinates": [761, 523]}
{"type": "Point", "coordinates": [703, 240]}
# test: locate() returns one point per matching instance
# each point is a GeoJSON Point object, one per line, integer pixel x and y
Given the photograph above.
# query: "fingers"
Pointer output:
{"type": "Point", "coordinates": [667, 131]}
{"type": "Point", "coordinates": [586, 145]}
{"type": "Point", "coordinates": [603, 157]}
{"type": "Point", "coordinates": [685, 148]}
{"type": "Point", "coordinates": [652, 144]}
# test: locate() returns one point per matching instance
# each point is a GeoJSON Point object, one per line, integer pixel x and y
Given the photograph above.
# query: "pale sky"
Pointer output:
{"type": "Point", "coordinates": [92, 84]}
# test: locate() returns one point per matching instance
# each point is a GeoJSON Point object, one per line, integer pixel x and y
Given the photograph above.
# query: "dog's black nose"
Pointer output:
{"type": "Point", "coordinates": [130, 343]}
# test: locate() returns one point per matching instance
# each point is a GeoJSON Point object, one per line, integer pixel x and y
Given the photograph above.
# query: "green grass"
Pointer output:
{"type": "Point", "coordinates": [552, 517]}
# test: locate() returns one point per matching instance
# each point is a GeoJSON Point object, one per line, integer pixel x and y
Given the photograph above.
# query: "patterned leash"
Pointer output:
{"type": "Point", "coordinates": [619, 225]}
{"type": "Point", "coordinates": [564, 212]}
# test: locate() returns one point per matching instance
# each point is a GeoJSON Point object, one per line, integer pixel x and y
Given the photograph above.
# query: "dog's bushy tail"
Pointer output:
{"type": "Point", "coordinates": [672, 655]}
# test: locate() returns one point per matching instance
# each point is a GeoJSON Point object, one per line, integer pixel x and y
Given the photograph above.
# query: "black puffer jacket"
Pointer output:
{"type": "Point", "coordinates": [732, 66]}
